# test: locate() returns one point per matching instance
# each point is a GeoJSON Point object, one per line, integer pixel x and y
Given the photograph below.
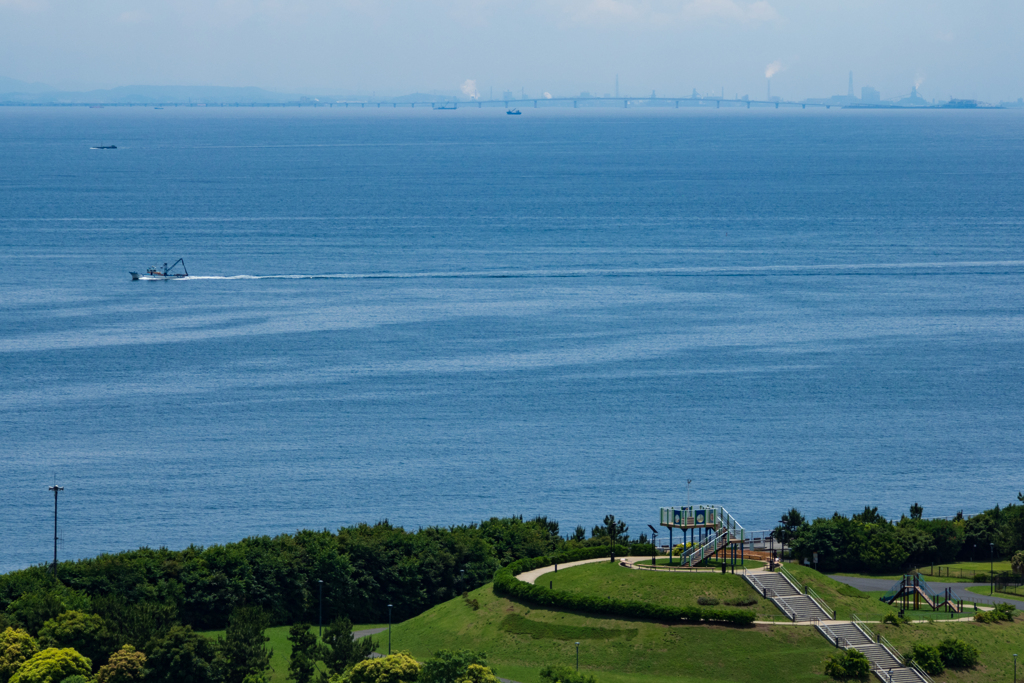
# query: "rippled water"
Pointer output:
{"type": "Point", "coordinates": [435, 317]}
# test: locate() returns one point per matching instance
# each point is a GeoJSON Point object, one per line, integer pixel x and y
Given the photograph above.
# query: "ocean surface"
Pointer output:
{"type": "Point", "coordinates": [437, 317]}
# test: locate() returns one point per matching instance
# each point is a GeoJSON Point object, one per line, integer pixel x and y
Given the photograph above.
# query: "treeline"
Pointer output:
{"type": "Point", "coordinates": [867, 542]}
{"type": "Point", "coordinates": [364, 569]}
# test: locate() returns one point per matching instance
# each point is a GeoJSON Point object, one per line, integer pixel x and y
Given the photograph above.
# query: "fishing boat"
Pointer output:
{"type": "Point", "coordinates": [104, 147]}
{"type": "Point", "coordinates": [164, 273]}
{"type": "Point", "coordinates": [514, 112]}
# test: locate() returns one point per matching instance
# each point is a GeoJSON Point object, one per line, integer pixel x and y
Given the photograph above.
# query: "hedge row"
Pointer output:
{"type": "Point", "coordinates": [506, 583]}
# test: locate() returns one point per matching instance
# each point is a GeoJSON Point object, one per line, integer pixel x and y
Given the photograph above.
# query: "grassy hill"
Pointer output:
{"type": "Point", "coordinates": [519, 641]}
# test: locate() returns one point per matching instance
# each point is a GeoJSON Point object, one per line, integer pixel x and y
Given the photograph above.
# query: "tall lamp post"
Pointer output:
{"type": "Point", "coordinates": [991, 568]}
{"type": "Point", "coordinates": [56, 489]}
{"type": "Point", "coordinates": [578, 657]}
{"type": "Point", "coordinates": [389, 628]}
{"type": "Point", "coordinates": [654, 545]}
{"type": "Point", "coordinates": [1015, 669]}
{"type": "Point", "coordinates": [321, 582]}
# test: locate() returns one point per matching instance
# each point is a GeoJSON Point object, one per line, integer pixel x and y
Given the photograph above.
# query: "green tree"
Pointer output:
{"type": "Point", "coordinates": [16, 648]}
{"type": "Point", "coordinates": [86, 633]}
{"type": "Point", "coordinates": [397, 668]}
{"type": "Point", "coordinates": [305, 653]}
{"type": "Point", "coordinates": [564, 674]}
{"type": "Point", "coordinates": [477, 673]}
{"type": "Point", "coordinates": [450, 665]}
{"type": "Point", "coordinates": [341, 650]}
{"type": "Point", "coordinates": [243, 651]}
{"type": "Point", "coordinates": [37, 606]}
{"type": "Point", "coordinates": [916, 512]}
{"type": "Point", "coordinates": [957, 654]}
{"type": "Point", "coordinates": [580, 534]}
{"type": "Point", "coordinates": [847, 665]}
{"type": "Point", "coordinates": [135, 623]}
{"type": "Point", "coordinates": [77, 678]}
{"type": "Point", "coordinates": [180, 656]}
{"type": "Point", "coordinates": [927, 657]}
{"type": "Point", "coordinates": [1017, 562]}
{"type": "Point", "coordinates": [127, 665]}
{"type": "Point", "coordinates": [52, 664]}
{"type": "Point", "coordinates": [882, 551]}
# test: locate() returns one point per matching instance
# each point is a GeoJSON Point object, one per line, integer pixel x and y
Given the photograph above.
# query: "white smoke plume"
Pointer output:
{"type": "Point", "coordinates": [469, 89]}
{"type": "Point", "coordinates": [918, 81]}
{"type": "Point", "coordinates": [772, 69]}
{"type": "Point", "coordinates": [547, 96]}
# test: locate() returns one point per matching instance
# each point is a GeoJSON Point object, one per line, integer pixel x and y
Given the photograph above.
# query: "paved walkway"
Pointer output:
{"type": "Point", "coordinates": [961, 588]}
{"type": "Point", "coordinates": [534, 574]}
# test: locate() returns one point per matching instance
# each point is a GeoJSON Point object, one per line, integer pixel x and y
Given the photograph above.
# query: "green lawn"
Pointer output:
{"type": "Point", "coordinates": [749, 564]}
{"type": "Point", "coordinates": [847, 600]}
{"type": "Point", "coordinates": [996, 644]}
{"type": "Point", "coordinates": [667, 588]}
{"type": "Point", "coordinates": [984, 590]}
{"type": "Point", "coordinates": [283, 649]}
{"type": "Point", "coordinates": [519, 640]}
{"type": "Point", "coordinates": [957, 572]}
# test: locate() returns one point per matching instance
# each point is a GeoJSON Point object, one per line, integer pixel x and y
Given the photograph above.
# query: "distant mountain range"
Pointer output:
{"type": "Point", "coordinates": [12, 90]}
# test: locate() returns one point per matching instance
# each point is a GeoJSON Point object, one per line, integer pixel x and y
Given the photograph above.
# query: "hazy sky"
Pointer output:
{"type": "Point", "coordinates": [967, 48]}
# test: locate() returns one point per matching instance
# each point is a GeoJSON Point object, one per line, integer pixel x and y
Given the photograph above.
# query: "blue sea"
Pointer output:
{"type": "Point", "coordinates": [434, 317]}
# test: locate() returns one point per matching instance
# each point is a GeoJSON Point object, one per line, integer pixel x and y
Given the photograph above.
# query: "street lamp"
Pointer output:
{"type": "Point", "coordinates": [654, 545]}
{"type": "Point", "coordinates": [389, 628]}
{"type": "Point", "coordinates": [991, 568]}
{"type": "Point", "coordinates": [321, 582]}
{"type": "Point", "coordinates": [1015, 669]}
{"type": "Point", "coordinates": [578, 657]}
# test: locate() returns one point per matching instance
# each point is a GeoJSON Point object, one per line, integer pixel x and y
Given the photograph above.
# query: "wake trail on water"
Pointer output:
{"type": "Point", "coordinates": [923, 268]}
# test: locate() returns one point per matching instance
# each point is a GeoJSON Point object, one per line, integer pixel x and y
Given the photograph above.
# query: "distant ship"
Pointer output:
{"type": "Point", "coordinates": [162, 274]}
{"type": "Point", "coordinates": [514, 112]}
{"type": "Point", "coordinates": [104, 147]}
{"type": "Point", "coordinates": [443, 106]}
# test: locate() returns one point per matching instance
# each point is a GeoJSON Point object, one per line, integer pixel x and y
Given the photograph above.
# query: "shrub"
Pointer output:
{"type": "Point", "coordinates": [707, 600]}
{"type": "Point", "coordinates": [16, 648]}
{"type": "Point", "coordinates": [563, 674]}
{"type": "Point", "coordinates": [956, 654]}
{"type": "Point", "coordinates": [990, 617]}
{"type": "Point", "coordinates": [477, 673]}
{"type": "Point", "coordinates": [895, 619]}
{"type": "Point", "coordinates": [741, 602]}
{"type": "Point", "coordinates": [927, 657]}
{"type": "Point", "coordinates": [125, 666]}
{"type": "Point", "coordinates": [397, 668]}
{"type": "Point", "coordinates": [505, 583]}
{"type": "Point", "coordinates": [1004, 611]}
{"type": "Point", "coordinates": [52, 664]}
{"type": "Point", "coordinates": [77, 678]}
{"type": "Point", "coordinates": [452, 665]}
{"type": "Point", "coordinates": [846, 665]}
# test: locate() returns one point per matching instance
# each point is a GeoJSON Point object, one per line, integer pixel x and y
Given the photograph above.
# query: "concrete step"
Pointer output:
{"type": "Point", "coordinates": [880, 657]}
{"type": "Point", "coordinates": [901, 675]}
{"type": "Point", "coordinates": [803, 608]}
{"type": "Point", "coordinates": [850, 634]}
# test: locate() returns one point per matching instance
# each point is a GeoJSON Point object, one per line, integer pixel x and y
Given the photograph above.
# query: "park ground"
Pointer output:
{"type": "Point", "coordinates": [519, 638]}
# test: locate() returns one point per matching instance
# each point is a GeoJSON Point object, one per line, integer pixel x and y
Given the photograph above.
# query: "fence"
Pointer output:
{"type": "Point", "coordinates": [944, 572]}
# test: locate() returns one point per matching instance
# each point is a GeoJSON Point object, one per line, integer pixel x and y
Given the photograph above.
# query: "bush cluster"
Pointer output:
{"type": "Point", "coordinates": [1003, 611]}
{"type": "Point", "coordinates": [707, 600]}
{"type": "Point", "coordinates": [506, 583]}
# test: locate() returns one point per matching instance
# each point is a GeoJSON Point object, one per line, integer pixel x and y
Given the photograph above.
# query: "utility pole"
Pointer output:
{"type": "Point", "coordinates": [56, 490]}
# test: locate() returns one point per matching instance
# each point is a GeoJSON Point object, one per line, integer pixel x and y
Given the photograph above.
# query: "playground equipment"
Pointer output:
{"type": "Point", "coordinates": [711, 530]}
{"type": "Point", "coordinates": [911, 590]}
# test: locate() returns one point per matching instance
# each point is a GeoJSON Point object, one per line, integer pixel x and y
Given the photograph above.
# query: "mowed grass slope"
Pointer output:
{"type": "Point", "coordinates": [681, 589]}
{"type": "Point", "coordinates": [996, 645]}
{"type": "Point", "coordinates": [519, 640]}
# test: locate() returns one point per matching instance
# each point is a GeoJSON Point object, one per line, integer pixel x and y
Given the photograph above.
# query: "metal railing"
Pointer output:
{"type": "Point", "coordinates": [820, 601]}
{"type": "Point", "coordinates": [892, 650]}
{"type": "Point", "coordinates": [786, 609]}
{"type": "Point", "coordinates": [859, 623]}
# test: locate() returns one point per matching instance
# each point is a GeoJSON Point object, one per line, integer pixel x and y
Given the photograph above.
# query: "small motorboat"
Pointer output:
{"type": "Point", "coordinates": [514, 112]}
{"type": "Point", "coordinates": [164, 273]}
{"type": "Point", "coordinates": [104, 147]}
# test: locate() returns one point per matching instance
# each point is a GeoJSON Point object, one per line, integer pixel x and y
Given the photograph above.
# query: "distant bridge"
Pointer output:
{"type": "Point", "coordinates": [536, 102]}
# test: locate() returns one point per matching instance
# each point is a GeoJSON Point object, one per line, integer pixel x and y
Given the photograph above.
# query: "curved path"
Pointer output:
{"type": "Point", "coordinates": [885, 584]}
{"type": "Point", "coordinates": [534, 574]}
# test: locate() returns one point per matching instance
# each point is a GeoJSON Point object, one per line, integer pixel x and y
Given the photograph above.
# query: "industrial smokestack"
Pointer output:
{"type": "Point", "coordinates": [769, 89]}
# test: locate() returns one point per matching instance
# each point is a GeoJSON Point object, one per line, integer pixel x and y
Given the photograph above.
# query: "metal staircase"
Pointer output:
{"type": "Point", "coordinates": [778, 588]}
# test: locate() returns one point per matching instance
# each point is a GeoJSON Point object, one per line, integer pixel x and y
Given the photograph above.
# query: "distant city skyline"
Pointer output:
{"type": "Point", "coordinates": [397, 47]}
